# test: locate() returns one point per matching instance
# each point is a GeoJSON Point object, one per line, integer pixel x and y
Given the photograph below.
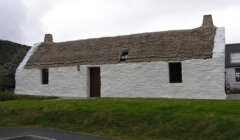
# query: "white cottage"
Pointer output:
{"type": "Point", "coordinates": [169, 64]}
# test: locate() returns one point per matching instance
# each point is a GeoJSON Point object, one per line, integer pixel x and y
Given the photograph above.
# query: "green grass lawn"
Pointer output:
{"type": "Point", "coordinates": [129, 119]}
{"type": "Point", "coordinates": [4, 96]}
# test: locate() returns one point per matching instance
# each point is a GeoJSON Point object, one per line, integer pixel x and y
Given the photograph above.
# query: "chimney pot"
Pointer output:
{"type": "Point", "coordinates": [48, 38]}
{"type": "Point", "coordinates": [207, 25]}
{"type": "Point", "coordinates": [207, 20]}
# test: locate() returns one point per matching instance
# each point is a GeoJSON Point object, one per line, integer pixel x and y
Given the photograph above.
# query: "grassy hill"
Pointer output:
{"type": "Point", "coordinates": [130, 119]}
{"type": "Point", "coordinates": [11, 54]}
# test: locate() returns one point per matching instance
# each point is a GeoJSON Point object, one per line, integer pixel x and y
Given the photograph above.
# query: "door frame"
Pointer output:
{"type": "Point", "coordinates": [90, 82]}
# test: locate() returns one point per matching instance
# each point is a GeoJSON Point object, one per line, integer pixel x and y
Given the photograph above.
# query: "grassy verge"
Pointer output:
{"type": "Point", "coordinates": [130, 119]}
{"type": "Point", "coordinates": [10, 96]}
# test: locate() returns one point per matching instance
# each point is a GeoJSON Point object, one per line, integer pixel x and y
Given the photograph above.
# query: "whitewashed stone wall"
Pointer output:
{"type": "Point", "coordinates": [202, 79]}
{"type": "Point", "coordinates": [63, 81]}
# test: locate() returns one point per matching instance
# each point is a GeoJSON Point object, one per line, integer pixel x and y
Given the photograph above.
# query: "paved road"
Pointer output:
{"type": "Point", "coordinates": [47, 133]}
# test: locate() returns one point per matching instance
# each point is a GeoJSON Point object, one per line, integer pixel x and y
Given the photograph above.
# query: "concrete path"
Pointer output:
{"type": "Point", "coordinates": [45, 134]}
{"type": "Point", "coordinates": [233, 96]}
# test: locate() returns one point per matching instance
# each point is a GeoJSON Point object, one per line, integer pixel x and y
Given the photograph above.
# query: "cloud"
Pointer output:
{"type": "Point", "coordinates": [12, 15]}
{"type": "Point", "coordinates": [21, 20]}
{"type": "Point", "coordinates": [29, 20]}
{"type": "Point", "coordinates": [69, 20]}
{"type": "Point", "coordinates": [32, 25]}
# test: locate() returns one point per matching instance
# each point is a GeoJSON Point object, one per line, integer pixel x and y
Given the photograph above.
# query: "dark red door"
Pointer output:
{"type": "Point", "coordinates": [95, 82]}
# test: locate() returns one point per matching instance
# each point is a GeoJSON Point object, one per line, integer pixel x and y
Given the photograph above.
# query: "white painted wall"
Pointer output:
{"type": "Point", "coordinates": [63, 81]}
{"type": "Point", "coordinates": [202, 79]}
{"type": "Point", "coordinates": [28, 55]}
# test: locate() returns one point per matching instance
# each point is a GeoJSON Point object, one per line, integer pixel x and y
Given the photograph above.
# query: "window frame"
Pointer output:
{"type": "Point", "coordinates": [124, 56]}
{"type": "Point", "coordinates": [237, 74]}
{"type": "Point", "coordinates": [45, 76]}
{"type": "Point", "coordinates": [234, 58]}
{"type": "Point", "coordinates": [175, 72]}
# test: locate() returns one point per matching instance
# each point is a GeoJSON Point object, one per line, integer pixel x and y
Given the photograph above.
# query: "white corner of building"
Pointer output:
{"type": "Point", "coordinates": [219, 40]}
{"type": "Point", "coordinates": [219, 43]}
{"type": "Point", "coordinates": [28, 55]}
{"type": "Point", "coordinates": [19, 75]}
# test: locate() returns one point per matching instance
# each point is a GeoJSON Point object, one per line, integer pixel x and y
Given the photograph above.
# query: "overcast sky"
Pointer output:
{"type": "Point", "coordinates": [26, 21]}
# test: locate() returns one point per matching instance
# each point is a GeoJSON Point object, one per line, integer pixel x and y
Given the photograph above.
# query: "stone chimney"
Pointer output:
{"type": "Point", "coordinates": [48, 38]}
{"type": "Point", "coordinates": [207, 25]}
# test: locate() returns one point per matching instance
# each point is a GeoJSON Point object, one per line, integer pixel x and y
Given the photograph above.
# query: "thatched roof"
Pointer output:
{"type": "Point", "coordinates": [174, 45]}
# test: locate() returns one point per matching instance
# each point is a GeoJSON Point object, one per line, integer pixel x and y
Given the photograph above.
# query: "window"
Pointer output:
{"type": "Point", "coordinates": [237, 73]}
{"type": "Point", "coordinates": [124, 56]}
{"type": "Point", "coordinates": [175, 72]}
{"type": "Point", "coordinates": [44, 76]}
{"type": "Point", "coordinates": [235, 58]}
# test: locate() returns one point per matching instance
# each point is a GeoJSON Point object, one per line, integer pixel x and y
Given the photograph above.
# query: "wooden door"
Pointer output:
{"type": "Point", "coordinates": [95, 82]}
